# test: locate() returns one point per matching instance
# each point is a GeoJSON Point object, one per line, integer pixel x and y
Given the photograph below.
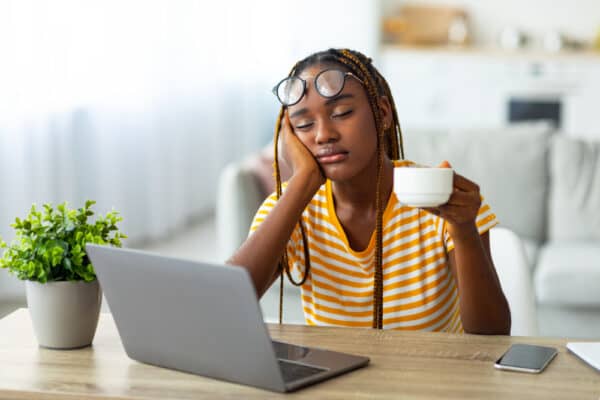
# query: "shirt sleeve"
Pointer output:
{"type": "Point", "coordinates": [485, 221]}
{"type": "Point", "coordinates": [294, 248]}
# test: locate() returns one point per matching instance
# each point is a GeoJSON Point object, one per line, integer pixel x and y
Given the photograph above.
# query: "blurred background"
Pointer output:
{"type": "Point", "coordinates": [141, 105]}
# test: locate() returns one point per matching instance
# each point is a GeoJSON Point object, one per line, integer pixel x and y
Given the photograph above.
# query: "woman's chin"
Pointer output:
{"type": "Point", "coordinates": [337, 172]}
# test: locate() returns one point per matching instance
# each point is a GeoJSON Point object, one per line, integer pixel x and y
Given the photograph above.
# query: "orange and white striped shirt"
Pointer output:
{"type": "Point", "coordinates": [419, 290]}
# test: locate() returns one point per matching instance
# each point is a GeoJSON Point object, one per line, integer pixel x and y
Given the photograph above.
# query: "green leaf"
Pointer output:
{"type": "Point", "coordinates": [50, 245]}
{"type": "Point", "coordinates": [67, 264]}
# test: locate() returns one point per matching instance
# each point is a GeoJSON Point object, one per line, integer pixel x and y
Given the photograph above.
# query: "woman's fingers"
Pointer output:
{"type": "Point", "coordinates": [286, 130]}
{"type": "Point", "coordinates": [286, 121]}
{"type": "Point", "coordinates": [431, 210]}
{"type": "Point", "coordinates": [464, 184]}
{"type": "Point", "coordinates": [460, 181]}
{"type": "Point", "coordinates": [460, 198]}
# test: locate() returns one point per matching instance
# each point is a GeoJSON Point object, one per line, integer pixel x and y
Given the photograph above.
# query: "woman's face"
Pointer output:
{"type": "Point", "coordinates": [339, 132]}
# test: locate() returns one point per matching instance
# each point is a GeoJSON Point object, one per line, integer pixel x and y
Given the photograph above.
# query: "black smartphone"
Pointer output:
{"type": "Point", "coordinates": [526, 358]}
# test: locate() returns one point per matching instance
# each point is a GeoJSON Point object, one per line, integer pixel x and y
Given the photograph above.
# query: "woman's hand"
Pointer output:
{"type": "Point", "coordinates": [297, 156]}
{"type": "Point", "coordinates": [460, 212]}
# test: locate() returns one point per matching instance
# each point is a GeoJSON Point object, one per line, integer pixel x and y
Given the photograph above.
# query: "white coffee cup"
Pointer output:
{"type": "Point", "coordinates": [423, 187]}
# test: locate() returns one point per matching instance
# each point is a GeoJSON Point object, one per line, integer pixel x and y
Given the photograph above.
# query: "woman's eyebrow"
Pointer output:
{"type": "Point", "coordinates": [340, 97]}
{"type": "Point", "coordinates": [299, 112]}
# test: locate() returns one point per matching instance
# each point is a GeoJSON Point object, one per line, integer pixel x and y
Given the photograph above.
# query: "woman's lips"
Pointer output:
{"type": "Point", "coordinates": [332, 157]}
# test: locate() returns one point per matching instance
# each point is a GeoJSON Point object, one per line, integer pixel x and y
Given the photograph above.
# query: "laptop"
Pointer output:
{"type": "Point", "coordinates": [586, 351]}
{"type": "Point", "coordinates": [204, 319]}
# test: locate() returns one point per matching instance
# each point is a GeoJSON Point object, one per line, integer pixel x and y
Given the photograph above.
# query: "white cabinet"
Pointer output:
{"type": "Point", "coordinates": [441, 90]}
{"type": "Point", "coordinates": [448, 89]}
{"type": "Point", "coordinates": [582, 107]}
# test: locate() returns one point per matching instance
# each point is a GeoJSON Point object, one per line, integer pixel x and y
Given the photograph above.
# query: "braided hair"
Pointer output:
{"type": "Point", "coordinates": [388, 140]}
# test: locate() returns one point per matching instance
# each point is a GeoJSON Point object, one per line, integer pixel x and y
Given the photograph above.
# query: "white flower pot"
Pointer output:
{"type": "Point", "coordinates": [64, 314]}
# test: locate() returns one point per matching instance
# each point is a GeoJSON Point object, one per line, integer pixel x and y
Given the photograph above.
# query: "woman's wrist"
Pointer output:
{"type": "Point", "coordinates": [307, 181]}
{"type": "Point", "coordinates": [311, 176]}
{"type": "Point", "coordinates": [463, 232]}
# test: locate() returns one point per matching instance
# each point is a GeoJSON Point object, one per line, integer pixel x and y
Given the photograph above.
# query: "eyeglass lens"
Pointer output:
{"type": "Point", "coordinates": [328, 83]}
{"type": "Point", "coordinates": [290, 90]}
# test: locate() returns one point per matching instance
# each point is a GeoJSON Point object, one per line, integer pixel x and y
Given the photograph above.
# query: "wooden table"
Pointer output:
{"type": "Point", "coordinates": [403, 365]}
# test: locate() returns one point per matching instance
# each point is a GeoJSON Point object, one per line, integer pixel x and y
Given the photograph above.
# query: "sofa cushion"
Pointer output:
{"type": "Point", "coordinates": [568, 273]}
{"type": "Point", "coordinates": [574, 204]}
{"type": "Point", "coordinates": [509, 164]}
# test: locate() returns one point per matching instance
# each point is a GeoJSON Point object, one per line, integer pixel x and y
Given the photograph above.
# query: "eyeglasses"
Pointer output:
{"type": "Point", "coordinates": [328, 83]}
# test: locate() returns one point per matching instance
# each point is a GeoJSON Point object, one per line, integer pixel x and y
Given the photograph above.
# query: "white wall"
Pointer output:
{"type": "Point", "coordinates": [144, 119]}
{"type": "Point", "coordinates": [303, 28]}
{"type": "Point", "coordinates": [579, 18]}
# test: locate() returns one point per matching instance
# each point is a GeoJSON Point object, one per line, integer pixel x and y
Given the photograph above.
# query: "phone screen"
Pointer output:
{"type": "Point", "coordinates": [526, 356]}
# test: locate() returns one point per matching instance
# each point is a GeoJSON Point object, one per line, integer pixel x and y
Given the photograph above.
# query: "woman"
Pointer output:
{"type": "Point", "coordinates": [361, 258]}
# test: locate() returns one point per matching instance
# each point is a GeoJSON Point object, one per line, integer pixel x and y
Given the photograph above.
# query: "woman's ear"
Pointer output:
{"type": "Point", "coordinates": [385, 108]}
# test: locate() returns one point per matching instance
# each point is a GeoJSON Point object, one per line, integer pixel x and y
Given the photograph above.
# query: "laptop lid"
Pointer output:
{"type": "Point", "coordinates": [203, 318]}
{"type": "Point", "coordinates": [189, 316]}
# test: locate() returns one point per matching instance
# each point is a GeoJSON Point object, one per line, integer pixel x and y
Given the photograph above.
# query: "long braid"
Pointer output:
{"type": "Point", "coordinates": [278, 189]}
{"type": "Point", "coordinates": [394, 146]}
{"type": "Point", "coordinates": [396, 149]}
{"type": "Point", "coordinates": [389, 140]}
{"type": "Point", "coordinates": [284, 266]}
{"type": "Point", "coordinates": [371, 87]}
{"type": "Point", "coordinates": [283, 263]}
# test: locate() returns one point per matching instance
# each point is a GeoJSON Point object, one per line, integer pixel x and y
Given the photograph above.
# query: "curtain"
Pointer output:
{"type": "Point", "coordinates": [139, 104]}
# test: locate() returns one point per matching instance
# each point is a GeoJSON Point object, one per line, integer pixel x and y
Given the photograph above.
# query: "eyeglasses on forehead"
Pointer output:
{"type": "Point", "coordinates": [328, 83]}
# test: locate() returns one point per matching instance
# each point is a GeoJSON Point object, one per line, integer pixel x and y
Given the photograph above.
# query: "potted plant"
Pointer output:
{"type": "Point", "coordinates": [48, 252]}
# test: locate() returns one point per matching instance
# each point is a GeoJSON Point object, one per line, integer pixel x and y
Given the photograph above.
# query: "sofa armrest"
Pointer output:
{"type": "Point", "coordinates": [513, 271]}
{"type": "Point", "coordinates": [239, 195]}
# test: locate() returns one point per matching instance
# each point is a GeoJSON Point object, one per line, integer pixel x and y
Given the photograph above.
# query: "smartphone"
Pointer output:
{"type": "Point", "coordinates": [526, 358]}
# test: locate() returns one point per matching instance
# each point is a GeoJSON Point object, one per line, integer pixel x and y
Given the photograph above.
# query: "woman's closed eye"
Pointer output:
{"type": "Point", "coordinates": [341, 114]}
{"type": "Point", "coordinates": [303, 125]}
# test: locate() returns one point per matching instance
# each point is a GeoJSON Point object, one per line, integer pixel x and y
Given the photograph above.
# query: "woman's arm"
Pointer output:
{"type": "Point", "coordinates": [261, 252]}
{"type": "Point", "coordinates": [483, 306]}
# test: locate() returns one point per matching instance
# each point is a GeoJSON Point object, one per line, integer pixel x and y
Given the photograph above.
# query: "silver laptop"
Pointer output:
{"type": "Point", "coordinates": [204, 319]}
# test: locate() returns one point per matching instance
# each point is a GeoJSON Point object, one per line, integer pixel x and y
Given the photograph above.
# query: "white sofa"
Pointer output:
{"type": "Point", "coordinates": [542, 185]}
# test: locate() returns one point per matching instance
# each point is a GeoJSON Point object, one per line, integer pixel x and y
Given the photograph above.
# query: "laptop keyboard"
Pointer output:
{"type": "Point", "coordinates": [292, 371]}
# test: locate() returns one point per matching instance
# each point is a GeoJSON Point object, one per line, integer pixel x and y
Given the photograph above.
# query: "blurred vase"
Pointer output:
{"type": "Point", "coordinates": [512, 38]}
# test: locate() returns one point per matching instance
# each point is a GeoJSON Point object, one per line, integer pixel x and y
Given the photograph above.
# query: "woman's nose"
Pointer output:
{"type": "Point", "coordinates": [326, 133]}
